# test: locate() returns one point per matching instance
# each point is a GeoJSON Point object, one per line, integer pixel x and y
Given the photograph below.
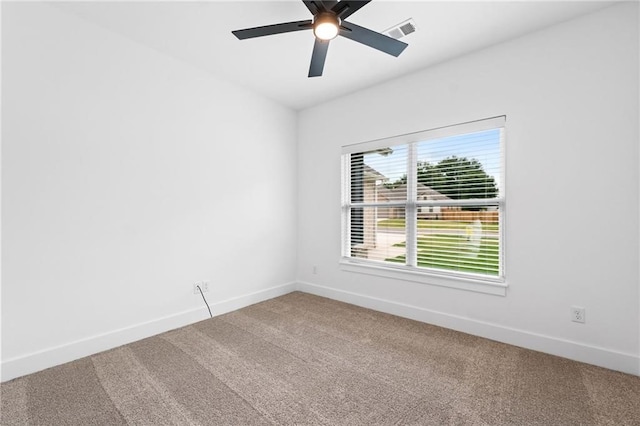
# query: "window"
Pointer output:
{"type": "Point", "coordinates": [430, 202]}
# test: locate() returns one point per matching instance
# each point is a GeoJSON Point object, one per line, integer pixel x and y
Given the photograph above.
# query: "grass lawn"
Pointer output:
{"type": "Point", "coordinates": [455, 253]}
{"type": "Point", "coordinates": [433, 224]}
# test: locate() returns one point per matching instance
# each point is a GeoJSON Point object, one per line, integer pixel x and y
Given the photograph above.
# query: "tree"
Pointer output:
{"type": "Point", "coordinates": [396, 183]}
{"type": "Point", "coordinates": [458, 178]}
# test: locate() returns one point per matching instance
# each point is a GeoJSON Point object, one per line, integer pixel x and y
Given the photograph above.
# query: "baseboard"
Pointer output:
{"type": "Point", "coordinates": [625, 362]}
{"type": "Point", "coordinates": [33, 362]}
{"type": "Point", "coordinates": [37, 361]}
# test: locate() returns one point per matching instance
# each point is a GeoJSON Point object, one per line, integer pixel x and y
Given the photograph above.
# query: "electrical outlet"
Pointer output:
{"type": "Point", "coordinates": [204, 286]}
{"type": "Point", "coordinates": [577, 314]}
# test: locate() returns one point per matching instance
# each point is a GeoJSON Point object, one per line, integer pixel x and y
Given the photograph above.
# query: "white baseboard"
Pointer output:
{"type": "Point", "coordinates": [625, 362]}
{"type": "Point", "coordinates": [30, 363]}
{"type": "Point", "coordinates": [37, 361]}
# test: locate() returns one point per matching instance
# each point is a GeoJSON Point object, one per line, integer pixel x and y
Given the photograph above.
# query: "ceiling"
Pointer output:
{"type": "Point", "coordinates": [276, 66]}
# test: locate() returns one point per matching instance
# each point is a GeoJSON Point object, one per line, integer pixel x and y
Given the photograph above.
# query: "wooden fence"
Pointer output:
{"type": "Point", "coordinates": [489, 217]}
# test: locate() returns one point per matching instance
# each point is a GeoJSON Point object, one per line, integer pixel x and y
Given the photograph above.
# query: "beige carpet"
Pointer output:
{"type": "Point", "coordinates": [302, 359]}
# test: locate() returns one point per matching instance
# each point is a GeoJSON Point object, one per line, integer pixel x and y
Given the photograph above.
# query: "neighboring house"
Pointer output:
{"type": "Point", "coordinates": [375, 191]}
{"type": "Point", "coordinates": [372, 180]}
{"type": "Point", "coordinates": [424, 193]}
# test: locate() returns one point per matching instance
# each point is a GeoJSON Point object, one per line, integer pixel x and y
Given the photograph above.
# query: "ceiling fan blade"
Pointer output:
{"type": "Point", "coordinates": [314, 6]}
{"type": "Point", "coordinates": [372, 39]}
{"type": "Point", "coordinates": [317, 58]}
{"type": "Point", "coordinates": [346, 8]}
{"type": "Point", "coordinates": [266, 30]}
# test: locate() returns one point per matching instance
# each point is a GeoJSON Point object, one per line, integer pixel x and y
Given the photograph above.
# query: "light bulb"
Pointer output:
{"type": "Point", "coordinates": [326, 27]}
{"type": "Point", "coordinates": [326, 30]}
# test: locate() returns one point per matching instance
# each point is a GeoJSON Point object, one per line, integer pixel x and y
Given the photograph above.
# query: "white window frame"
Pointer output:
{"type": "Point", "coordinates": [410, 271]}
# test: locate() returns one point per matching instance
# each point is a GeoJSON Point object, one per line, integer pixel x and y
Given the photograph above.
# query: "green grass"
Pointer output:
{"type": "Point", "coordinates": [455, 253]}
{"type": "Point", "coordinates": [434, 224]}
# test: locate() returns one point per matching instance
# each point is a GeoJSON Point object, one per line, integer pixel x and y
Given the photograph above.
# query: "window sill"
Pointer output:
{"type": "Point", "coordinates": [462, 283]}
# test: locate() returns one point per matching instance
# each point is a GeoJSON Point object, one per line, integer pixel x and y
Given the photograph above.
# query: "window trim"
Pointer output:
{"type": "Point", "coordinates": [410, 271]}
{"type": "Point", "coordinates": [379, 269]}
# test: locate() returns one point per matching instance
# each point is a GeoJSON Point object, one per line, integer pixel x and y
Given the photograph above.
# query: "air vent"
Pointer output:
{"type": "Point", "coordinates": [402, 29]}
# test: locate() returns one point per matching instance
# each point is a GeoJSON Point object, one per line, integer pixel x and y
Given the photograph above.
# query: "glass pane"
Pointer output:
{"type": "Point", "coordinates": [460, 167]}
{"type": "Point", "coordinates": [461, 239]}
{"type": "Point", "coordinates": [379, 176]}
{"type": "Point", "coordinates": [378, 234]}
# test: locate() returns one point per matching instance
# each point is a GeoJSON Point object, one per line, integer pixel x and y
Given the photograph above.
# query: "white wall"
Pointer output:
{"type": "Point", "coordinates": [570, 94]}
{"type": "Point", "coordinates": [126, 177]}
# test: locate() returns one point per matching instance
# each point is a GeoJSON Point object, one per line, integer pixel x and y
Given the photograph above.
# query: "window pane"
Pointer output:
{"type": "Point", "coordinates": [379, 176]}
{"type": "Point", "coordinates": [382, 234]}
{"type": "Point", "coordinates": [461, 240]}
{"type": "Point", "coordinates": [460, 167]}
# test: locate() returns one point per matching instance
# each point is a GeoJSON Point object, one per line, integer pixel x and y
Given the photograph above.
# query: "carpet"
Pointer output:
{"type": "Point", "coordinates": [303, 359]}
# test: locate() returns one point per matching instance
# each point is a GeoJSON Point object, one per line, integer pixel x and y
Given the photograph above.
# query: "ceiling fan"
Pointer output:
{"type": "Point", "coordinates": [329, 22]}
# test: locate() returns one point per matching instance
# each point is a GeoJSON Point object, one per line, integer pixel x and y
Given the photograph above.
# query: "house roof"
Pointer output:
{"type": "Point", "coordinates": [371, 173]}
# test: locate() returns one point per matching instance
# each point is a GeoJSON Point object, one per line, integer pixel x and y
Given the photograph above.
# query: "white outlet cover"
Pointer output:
{"type": "Point", "coordinates": [577, 314]}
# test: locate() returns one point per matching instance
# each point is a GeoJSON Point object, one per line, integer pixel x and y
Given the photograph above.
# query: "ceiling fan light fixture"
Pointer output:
{"type": "Point", "coordinates": [326, 26]}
